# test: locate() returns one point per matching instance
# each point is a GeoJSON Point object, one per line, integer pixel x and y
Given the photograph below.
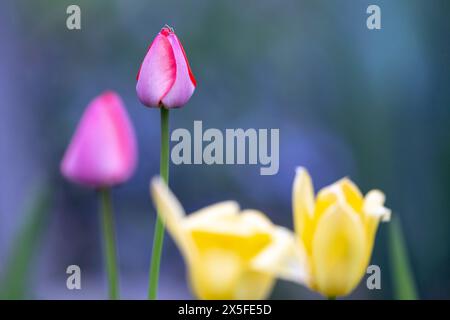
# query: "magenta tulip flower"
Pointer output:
{"type": "Point", "coordinates": [102, 154]}
{"type": "Point", "coordinates": [164, 81]}
{"type": "Point", "coordinates": [165, 78]}
{"type": "Point", "coordinates": [103, 150]}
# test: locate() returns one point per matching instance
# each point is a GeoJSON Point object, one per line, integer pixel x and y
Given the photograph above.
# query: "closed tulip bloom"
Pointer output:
{"type": "Point", "coordinates": [165, 78]}
{"type": "Point", "coordinates": [336, 229]}
{"type": "Point", "coordinates": [102, 152]}
{"type": "Point", "coordinates": [230, 254]}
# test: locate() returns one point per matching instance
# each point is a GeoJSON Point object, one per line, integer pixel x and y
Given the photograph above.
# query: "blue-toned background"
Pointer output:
{"type": "Point", "coordinates": [371, 105]}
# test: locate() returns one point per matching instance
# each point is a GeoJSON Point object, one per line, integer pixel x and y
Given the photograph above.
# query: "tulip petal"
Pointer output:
{"type": "Point", "coordinates": [374, 211]}
{"type": "Point", "coordinates": [374, 205]}
{"type": "Point", "coordinates": [158, 72]}
{"type": "Point", "coordinates": [343, 190]}
{"type": "Point", "coordinates": [103, 150]}
{"type": "Point", "coordinates": [246, 234]}
{"type": "Point", "coordinates": [226, 244]}
{"type": "Point", "coordinates": [246, 224]}
{"type": "Point", "coordinates": [215, 274]}
{"type": "Point", "coordinates": [172, 213]}
{"type": "Point", "coordinates": [339, 251]}
{"type": "Point", "coordinates": [256, 221]}
{"type": "Point", "coordinates": [222, 274]}
{"type": "Point", "coordinates": [283, 258]}
{"type": "Point", "coordinates": [254, 286]}
{"type": "Point", "coordinates": [184, 85]}
{"type": "Point", "coordinates": [245, 246]}
{"type": "Point", "coordinates": [212, 213]}
{"type": "Point", "coordinates": [352, 194]}
{"type": "Point", "coordinates": [303, 205]}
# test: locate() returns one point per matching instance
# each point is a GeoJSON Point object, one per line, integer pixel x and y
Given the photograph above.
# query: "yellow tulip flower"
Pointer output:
{"type": "Point", "coordinates": [230, 254]}
{"type": "Point", "coordinates": [336, 230]}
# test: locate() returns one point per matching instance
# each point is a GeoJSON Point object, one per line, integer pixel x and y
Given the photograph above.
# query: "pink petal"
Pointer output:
{"type": "Point", "coordinates": [184, 85]}
{"type": "Point", "coordinates": [157, 73]}
{"type": "Point", "coordinates": [103, 150]}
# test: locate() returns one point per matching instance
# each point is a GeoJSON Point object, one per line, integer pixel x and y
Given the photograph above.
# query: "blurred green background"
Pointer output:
{"type": "Point", "coordinates": [371, 105]}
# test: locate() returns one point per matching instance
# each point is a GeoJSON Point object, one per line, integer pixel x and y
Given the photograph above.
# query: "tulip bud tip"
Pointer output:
{"type": "Point", "coordinates": [166, 30]}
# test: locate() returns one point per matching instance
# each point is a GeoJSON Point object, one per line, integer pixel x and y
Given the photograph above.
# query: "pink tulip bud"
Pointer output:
{"type": "Point", "coordinates": [165, 78]}
{"type": "Point", "coordinates": [103, 150]}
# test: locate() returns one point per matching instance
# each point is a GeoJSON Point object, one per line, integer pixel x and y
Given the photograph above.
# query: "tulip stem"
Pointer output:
{"type": "Point", "coordinates": [109, 243]}
{"type": "Point", "coordinates": [159, 226]}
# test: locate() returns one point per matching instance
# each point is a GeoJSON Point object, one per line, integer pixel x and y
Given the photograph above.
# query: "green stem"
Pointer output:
{"type": "Point", "coordinates": [159, 226]}
{"type": "Point", "coordinates": [109, 243]}
{"type": "Point", "coordinates": [402, 275]}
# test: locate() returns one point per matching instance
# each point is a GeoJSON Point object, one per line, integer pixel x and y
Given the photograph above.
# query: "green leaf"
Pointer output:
{"type": "Point", "coordinates": [16, 278]}
{"type": "Point", "coordinates": [402, 276]}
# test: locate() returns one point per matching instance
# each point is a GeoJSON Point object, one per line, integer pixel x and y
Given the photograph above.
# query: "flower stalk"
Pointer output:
{"type": "Point", "coordinates": [107, 221]}
{"type": "Point", "coordinates": [159, 226]}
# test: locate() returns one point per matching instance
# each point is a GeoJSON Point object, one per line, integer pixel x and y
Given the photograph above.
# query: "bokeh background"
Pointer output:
{"type": "Point", "coordinates": [371, 105]}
